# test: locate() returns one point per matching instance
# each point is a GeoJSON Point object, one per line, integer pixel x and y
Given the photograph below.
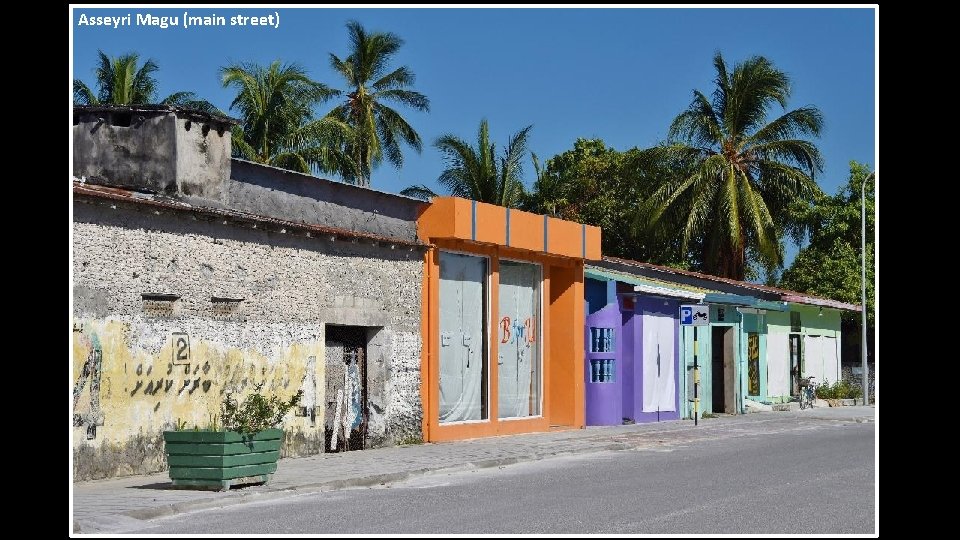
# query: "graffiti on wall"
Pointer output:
{"type": "Point", "coordinates": [132, 380]}
{"type": "Point", "coordinates": [517, 332]}
{"type": "Point", "coordinates": [182, 375]}
{"type": "Point", "coordinates": [308, 385]}
{"type": "Point", "coordinates": [753, 363]}
{"type": "Point", "coordinates": [90, 373]}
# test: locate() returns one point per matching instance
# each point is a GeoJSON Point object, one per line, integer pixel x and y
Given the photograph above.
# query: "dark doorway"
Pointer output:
{"type": "Point", "coordinates": [345, 418]}
{"type": "Point", "coordinates": [716, 369]}
{"type": "Point", "coordinates": [722, 376]}
{"type": "Point", "coordinates": [795, 364]}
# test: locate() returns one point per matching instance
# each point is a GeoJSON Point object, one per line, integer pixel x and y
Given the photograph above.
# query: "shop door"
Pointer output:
{"type": "Point", "coordinates": [658, 361]}
{"type": "Point", "coordinates": [345, 418]}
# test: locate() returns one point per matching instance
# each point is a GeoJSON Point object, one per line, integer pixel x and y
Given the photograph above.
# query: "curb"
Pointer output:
{"type": "Point", "coordinates": [167, 510]}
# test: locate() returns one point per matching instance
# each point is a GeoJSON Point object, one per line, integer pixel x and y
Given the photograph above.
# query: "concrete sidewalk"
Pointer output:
{"type": "Point", "coordinates": [114, 505]}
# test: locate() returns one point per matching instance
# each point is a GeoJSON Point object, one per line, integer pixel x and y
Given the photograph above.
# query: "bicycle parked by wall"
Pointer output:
{"type": "Point", "coordinates": [807, 392]}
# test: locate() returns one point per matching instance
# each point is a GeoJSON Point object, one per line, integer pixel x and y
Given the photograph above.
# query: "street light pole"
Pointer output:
{"type": "Point", "coordinates": [863, 283]}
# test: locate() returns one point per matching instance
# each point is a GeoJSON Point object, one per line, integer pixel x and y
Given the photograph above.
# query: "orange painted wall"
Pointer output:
{"type": "Point", "coordinates": [491, 223]}
{"type": "Point", "coordinates": [448, 224]}
{"type": "Point", "coordinates": [566, 344]}
{"type": "Point", "coordinates": [593, 243]}
{"type": "Point", "coordinates": [526, 230]}
{"type": "Point", "coordinates": [452, 218]}
{"type": "Point", "coordinates": [565, 237]}
{"type": "Point", "coordinates": [569, 389]}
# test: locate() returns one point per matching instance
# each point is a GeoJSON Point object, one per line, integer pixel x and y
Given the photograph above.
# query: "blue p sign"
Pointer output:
{"type": "Point", "coordinates": [686, 315]}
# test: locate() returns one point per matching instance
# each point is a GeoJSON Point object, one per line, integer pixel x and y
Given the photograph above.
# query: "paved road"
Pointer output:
{"type": "Point", "coordinates": [806, 477]}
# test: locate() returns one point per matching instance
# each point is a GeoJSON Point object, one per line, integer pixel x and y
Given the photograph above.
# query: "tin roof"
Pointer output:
{"type": "Point", "coordinates": [785, 294]}
{"type": "Point", "coordinates": [93, 191]}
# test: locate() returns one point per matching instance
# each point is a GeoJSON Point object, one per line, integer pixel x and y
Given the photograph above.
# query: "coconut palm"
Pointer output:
{"type": "Point", "coordinates": [478, 173]}
{"type": "Point", "coordinates": [736, 173]}
{"type": "Point", "coordinates": [379, 129]}
{"type": "Point", "coordinates": [120, 81]}
{"type": "Point", "coordinates": [550, 191]}
{"type": "Point", "coordinates": [277, 124]}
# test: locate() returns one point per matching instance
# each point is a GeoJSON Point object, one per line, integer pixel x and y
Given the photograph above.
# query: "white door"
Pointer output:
{"type": "Point", "coordinates": [658, 361]}
{"type": "Point", "coordinates": [778, 365]}
{"type": "Point", "coordinates": [813, 358]}
{"type": "Point", "coordinates": [831, 359]}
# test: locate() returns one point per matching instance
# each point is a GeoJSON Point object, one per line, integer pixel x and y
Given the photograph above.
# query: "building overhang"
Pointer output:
{"type": "Point", "coordinates": [454, 218]}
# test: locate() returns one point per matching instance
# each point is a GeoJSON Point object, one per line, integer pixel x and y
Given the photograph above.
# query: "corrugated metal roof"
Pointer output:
{"type": "Point", "coordinates": [787, 295]}
{"type": "Point", "coordinates": [160, 201]}
{"type": "Point", "coordinates": [605, 273]}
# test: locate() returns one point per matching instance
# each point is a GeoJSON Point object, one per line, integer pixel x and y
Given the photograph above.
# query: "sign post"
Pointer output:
{"type": "Point", "coordinates": [695, 315]}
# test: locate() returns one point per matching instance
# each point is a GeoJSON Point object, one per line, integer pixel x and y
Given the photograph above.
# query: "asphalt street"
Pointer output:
{"type": "Point", "coordinates": [818, 477]}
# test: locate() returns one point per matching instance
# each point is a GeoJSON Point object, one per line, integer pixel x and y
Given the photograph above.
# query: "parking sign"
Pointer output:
{"type": "Point", "coordinates": [695, 315]}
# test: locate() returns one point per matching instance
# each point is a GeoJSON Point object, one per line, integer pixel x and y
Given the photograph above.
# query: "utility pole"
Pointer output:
{"type": "Point", "coordinates": [863, 283]}
{"type": "Point", "coordinates": [696, 378]}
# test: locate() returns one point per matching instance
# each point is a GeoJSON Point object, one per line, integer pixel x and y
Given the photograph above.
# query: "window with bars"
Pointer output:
{"type": "Point", "coordinates": [601, 340]}
{"type": "Point", "coordinates": [603, 370]}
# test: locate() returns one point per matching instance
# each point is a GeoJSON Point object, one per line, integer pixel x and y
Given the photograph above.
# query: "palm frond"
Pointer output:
{"type": "Point", "coordinates": [83, 95]}
{"type": "Point", "coordinates": [419, 191]}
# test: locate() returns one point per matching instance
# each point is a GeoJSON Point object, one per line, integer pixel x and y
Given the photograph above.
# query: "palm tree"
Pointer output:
{"type": "Point", "coordinates": [736, 173]}
{"type": "Point", "coordinates": [277, 124]}
{"type": "Point", "coordinates": [121, 82]}
{"type": "Point", "coordinates": [478, 174]}
{"type": "Point", "coordinates": [550, 191]}
{"type": "Point", "coordinates": [378, 128]}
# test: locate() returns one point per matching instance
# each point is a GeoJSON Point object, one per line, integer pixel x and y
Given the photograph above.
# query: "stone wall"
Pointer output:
{"type": "Point", "coordinates": [173, 309]}
{"type": "Point", "coordinates": [846, 371]}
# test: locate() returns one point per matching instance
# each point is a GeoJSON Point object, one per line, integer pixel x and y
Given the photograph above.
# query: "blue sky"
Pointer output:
{"type": "Point", "coordinates": [620, 75]}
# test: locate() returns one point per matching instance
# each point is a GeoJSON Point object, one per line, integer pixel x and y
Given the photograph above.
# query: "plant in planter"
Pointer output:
{"type": "Point", "coordinates": [242, 446]}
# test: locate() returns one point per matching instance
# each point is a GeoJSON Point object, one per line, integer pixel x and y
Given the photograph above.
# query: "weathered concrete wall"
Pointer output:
{"type": "Point", "coordinates": [141, 364]}
{"type": "Point", "coordinates": [152, 150]}
{"type": "Point", "coordinates": [856, 379]}
{"type": "Point", "coordinates": [142, 155]}
{"type": "Point", "coordinates": [203, 157]}
{"type": "Point", "coordinates": [282, 194]}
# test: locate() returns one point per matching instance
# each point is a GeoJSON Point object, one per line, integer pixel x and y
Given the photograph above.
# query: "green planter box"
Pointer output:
{"type": "Point", "coordinates": [221, 459]}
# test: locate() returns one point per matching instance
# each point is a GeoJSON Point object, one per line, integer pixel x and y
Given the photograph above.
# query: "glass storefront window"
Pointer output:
{"type": "Point", "coordinates": [518, 349]}
{"type": "Point", "coordinates": [463, 337]}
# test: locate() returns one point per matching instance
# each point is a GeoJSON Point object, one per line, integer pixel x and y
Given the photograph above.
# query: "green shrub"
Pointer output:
{"type": "Point", "coordinates": [824, 390]}
{"type": "Point", "coordinates": [841, 389]}
{"type": "Point", "coordinates": [256, 412]}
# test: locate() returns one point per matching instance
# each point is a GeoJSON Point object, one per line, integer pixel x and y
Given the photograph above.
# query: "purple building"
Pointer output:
{"type": "Point", "coordinates": [632, 352]}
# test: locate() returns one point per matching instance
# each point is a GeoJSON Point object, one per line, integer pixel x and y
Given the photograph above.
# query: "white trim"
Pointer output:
{"type": "Point", "coordinates": [458, 422]}
{"type": "Point", "coordinates": [672, 293]}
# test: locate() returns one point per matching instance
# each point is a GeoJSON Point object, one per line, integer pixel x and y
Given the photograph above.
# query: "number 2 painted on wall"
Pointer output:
{"type": "Point", "coordinates": [181, 347]}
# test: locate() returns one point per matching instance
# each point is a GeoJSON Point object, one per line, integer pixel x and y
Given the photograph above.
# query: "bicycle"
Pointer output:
{"type": "Point", "coordinates": [807, 395]}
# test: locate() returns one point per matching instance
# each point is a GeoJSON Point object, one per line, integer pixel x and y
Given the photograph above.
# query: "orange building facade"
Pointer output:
{"type": "Point", "coordinates": [502, 323]}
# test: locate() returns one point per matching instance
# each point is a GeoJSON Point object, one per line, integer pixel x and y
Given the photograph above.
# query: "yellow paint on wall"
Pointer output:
{"type": "Point", "coordinates": [142, 392]}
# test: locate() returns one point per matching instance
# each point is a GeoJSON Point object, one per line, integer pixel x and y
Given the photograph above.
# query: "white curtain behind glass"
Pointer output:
{"type": "Point", "coordinates": [461, 336]}
{"type": "Point", "coordinates": [518, 358]}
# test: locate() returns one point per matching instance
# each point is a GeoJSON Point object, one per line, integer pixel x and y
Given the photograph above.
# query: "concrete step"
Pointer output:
{"type": "Point", "coordinates": [791, 406]}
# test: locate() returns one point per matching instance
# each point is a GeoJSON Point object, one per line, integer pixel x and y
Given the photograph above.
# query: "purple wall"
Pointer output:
{"type": "Point", "coordinates": [607, 404]}
{"type": "Point", "coordinates": [604, 399]}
